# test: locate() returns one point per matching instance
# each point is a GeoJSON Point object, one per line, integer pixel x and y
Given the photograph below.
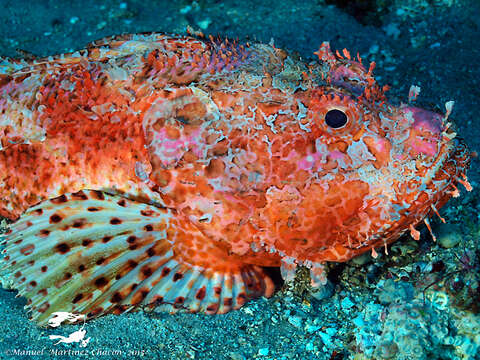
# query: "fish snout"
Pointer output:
{"type": "Point", "coordinates": [426, 130]}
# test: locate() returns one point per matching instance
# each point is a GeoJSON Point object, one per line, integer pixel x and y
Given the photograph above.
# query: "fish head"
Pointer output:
{"type": "Point", "coordinates": [375, 170]}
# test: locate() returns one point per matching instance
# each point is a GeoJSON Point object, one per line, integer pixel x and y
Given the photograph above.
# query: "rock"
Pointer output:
{"type": "Point", "coordinates": [362, 259]}
{"type": "Point", "coordinates": [323, 292]}
{"type": "Point", "coordinates": [236, 356]}
{"type": "Point", "coordinates": [448, 235]}
{"type": "Point", "coordinates": [263, 351]}
{"type": "Point", "coordinates": [296, 321]}
{"type": "Point", "coordinates": [347, 303]}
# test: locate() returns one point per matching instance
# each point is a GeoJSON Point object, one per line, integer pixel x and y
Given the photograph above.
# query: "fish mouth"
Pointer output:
{"type": "Point", "coordinates": [453, 163]}
{"type": "Point", "coordinates": [448, 170]}
{"type": "Point", "coordinates": [438, 187]}
{"type": "Point", "coordinates": [434, 184]}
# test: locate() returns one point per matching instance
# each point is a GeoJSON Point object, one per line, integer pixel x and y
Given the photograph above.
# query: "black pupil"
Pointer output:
{"type": "Point", "coordinates": [335, 118]}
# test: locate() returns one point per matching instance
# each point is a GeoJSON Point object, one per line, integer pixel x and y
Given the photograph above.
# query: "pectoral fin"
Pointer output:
{"type": "Point", "coordinates": [93, 253]}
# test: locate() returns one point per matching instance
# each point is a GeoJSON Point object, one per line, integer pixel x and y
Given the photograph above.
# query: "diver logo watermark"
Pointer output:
{"type": "Point", "coordinates": [75, 337]}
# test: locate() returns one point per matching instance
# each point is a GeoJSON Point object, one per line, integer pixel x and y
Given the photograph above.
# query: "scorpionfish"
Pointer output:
{"type": "Point", "coordinates": [150, 171]}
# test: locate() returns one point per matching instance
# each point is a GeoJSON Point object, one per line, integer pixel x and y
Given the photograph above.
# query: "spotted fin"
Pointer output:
{"type": "Point", "coordinates": [93, 253]}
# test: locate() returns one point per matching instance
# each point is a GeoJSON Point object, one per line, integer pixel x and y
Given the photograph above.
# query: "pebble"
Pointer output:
{"type": "Point", "coordinates": [448, 235]}
{"type": "Point", "coordinates": [310, 346]}
{"type": "Point", "coordinates": [236, 356]}
{"type": "Point", "coordinates": [323, 292]}
{"type": "Point", "coordinates": [362, 259]}
{"type": "Point", "coordinates": [186, 9]}
{"type": "Point", "coordinates": [296, 321]}
{"type": "Point", "coordinates": [392, 30]}
{"type": "Point", "coordinates": [347, 303]}
{"type": "Point", "coordinates": [309, 328]}
{"type": "Point", "coordinates": [374, 49]}
{"type": "Point", "coordinates": [373, 271]}
{"type": "Point", "coordinates": [403, 248]}
{"type": "Point", "coordinates": [203, 24]}
{"type": "Point", "coordinates": [247, 310]}
{"type": "Point", "coordinates": [327, 335]}
{"type": "Point", "coordinates": [263, 351]}
{"type": "Point", "coordinates": [101, 25]}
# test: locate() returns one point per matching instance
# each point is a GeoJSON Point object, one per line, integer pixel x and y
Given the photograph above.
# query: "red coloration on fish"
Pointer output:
{"type": "Point", "coordinates": [154, 170]}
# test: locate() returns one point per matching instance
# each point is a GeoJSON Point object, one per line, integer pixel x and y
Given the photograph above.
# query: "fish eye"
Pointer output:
{"type": "Point", "coordinates": [335, 118]}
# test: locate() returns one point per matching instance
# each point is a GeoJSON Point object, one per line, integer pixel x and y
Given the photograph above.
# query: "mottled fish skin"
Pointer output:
{"type": "Point", "coordinates": [233, 140]}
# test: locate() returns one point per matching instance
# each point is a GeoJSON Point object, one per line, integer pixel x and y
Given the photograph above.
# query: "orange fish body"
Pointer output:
{"type": "Point", "coordinates": [151, 170]}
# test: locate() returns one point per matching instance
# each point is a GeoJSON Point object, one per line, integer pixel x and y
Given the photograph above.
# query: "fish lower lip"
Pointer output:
{"type": "Point", "coordinates": [461, 155]}
{"type": "Point", "coordinates": [450, 165]}
{"type": "Point", "coordinates": [456, 163]}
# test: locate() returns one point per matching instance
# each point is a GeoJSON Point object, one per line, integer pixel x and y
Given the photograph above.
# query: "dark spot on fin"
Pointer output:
{"type": "Point", "coordinates": [115, 221]}
{"type": "Point", "coordinates": [62, 248]}
{"type": "Point", "coordinates": [59, 200]}
{"type": "Point", "coordinates": [55, 218]}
